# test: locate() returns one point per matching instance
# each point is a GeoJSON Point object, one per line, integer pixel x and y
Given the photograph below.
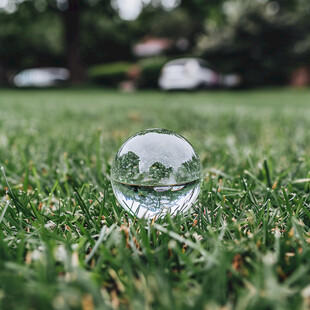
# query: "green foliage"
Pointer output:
{"type": "Point", "coordinates": [174, 24]}
{"type": "Point", "coordinates": [34, 35]}
{"type": "Point", "coordinates": [65, 243]}
{"type": "Point", "coordinates": [110, 41]}
{"type": "Point", "coordinates": [109, 74]}
{"type": "Point", "coordinates": [29, 39]}
{"type": "Point", "coordinates": [261, 40]}
{"type": "Point", "coordinates": [112, 74]}
{"type": "Point", "coordinates": [150, 71]}
{"type": "Point", "coordinates": [262, 45]}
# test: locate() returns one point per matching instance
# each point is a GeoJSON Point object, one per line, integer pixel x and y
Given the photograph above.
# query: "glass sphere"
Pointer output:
{"type": "Point", "coordinates": [154, 172]}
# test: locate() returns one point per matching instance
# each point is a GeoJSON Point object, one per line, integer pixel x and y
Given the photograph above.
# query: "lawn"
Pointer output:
{"type": "Point", "coordinates": [65, 243]}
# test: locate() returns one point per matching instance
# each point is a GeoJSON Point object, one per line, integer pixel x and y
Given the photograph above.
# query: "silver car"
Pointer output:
{"type": "Point", "coordinates": [41, 77]}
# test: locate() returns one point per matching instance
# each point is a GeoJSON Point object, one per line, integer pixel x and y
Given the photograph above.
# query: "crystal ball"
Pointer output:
{"type": "Point", "coordinates": [155, 172]}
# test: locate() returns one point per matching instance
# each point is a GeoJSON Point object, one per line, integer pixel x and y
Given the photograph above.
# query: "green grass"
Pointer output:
{"type": "Point", "coordinates": [65, 243]}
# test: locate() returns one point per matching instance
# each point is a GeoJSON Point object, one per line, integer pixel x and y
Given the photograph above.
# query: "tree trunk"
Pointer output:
{"type": "Point", "coordinates": [71, 18]}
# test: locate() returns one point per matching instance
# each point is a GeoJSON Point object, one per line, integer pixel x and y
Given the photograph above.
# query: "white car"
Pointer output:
{"type": "Point", "coordinates": [41, 77]}
{"type": "Point", "coordinates": [192, 73]}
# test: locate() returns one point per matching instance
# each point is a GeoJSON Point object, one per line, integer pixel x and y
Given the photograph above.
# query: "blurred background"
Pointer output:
{"type": "Point", "coordinates": [133, 44]}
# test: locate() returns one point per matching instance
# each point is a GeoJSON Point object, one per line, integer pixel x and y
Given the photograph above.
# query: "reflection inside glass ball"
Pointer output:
{"type": "Point", "coordinates": [154, 172]}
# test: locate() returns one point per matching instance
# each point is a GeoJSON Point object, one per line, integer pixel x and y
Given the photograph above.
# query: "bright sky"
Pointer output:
{"type": "Point", "coordinates": [9, 5]}
{"type": "Point", "coordinates": [128, 9]}
{"type": "Point", "coordinates": [131, 9]}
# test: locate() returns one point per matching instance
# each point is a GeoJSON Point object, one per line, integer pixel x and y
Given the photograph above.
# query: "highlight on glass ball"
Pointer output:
{"type": "Point", "coordinates": [155, 172]}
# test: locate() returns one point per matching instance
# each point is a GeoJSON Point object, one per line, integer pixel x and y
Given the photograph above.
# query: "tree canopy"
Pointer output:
{"type": "Point", "coordinates": [236, 35]}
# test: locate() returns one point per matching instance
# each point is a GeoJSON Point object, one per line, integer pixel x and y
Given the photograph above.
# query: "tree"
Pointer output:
{"type": "Point", "coordinates": [29, 39]}
{"type": "Point", "coordinates": [20, 31]}
{"type": "Point", "coordinates": [71, 11]}
{"type": "Point", "coordinates": [261, 42]}
{"type": "Point", "coordinates": [71, 20]}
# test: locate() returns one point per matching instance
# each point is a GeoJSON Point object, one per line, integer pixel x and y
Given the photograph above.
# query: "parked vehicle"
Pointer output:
{"type": "Point", "coordinates": [192, 73]}
{"type": "Point", "coordinates": [41, 77]}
